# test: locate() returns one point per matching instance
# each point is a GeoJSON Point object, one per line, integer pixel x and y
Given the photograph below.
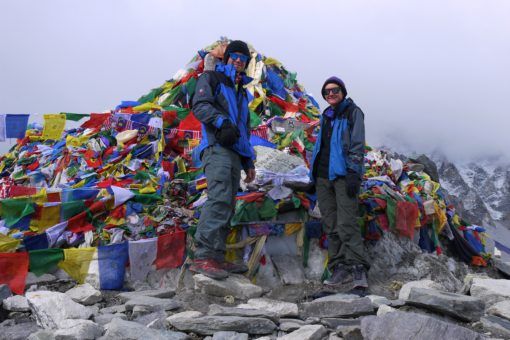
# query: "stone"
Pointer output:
{"type": "Point", "coordinates": [78, 329]}
{"type": "Point", "coordinates": [316, 259]}
{"type": "Point", "coordinates": [497, 326]}
{"type": "Point", "coordinates": [378, 300]}
{"type": "Point", "coordinates": [51, 308]}
{"type": "Point", "coordinates": [397, 303]}
{"type": "Point", "coordinates": [179, 317]}
{"type": "Point", "coordinates": [152, 304]}
{"type": "Point", "coordinates": [157, 319]}
{"type": "Point", "coordinates": [19, 331]}
{"type": "Point", "coordinates": [280, 308]}
{"type": "Point", "coordinates": [289, 268]}
{"type": "Point", "coordinates": [334, 336]}
{"type": "Point", "coordinates": [308, 332]}
{"type": "Point", "coordinates": [236, 285]}
{"type": "Point", "coordinates": [490, 290]}
{"type": "Point", "coordinates": [334, 323]}
{"type": "Point", "coordinates": [140, 310]}
{"type": "Point", "coordinates": [44, 334]}
{"type": "Point", "coordinates": [122, 329]}
{"type": "Point", "coordinates": [290, 326]}
{"type": "Point", "coordinates": [468, 280]}
{"type": "Point", "coordinates": [5, 292]}
{"type": "Point", "coordinates": [85, 294]}
{"type": "Point", "coordinates": [33, 279]}
{"type": "Point", "coordinates": [217, 310]}
{"type": "Point", "coordinates": [156, 293]}
{"type": "Point", "coordinates": [407, 325]}
{"type": "Point", "coordinates": [384, 309]}
{"type": "Point", "coordinates": [338, 305]}
{"type": "Point", "coordinates": [103, 319]}
{"type": "Point", "coordinates": [350, 332]}
{"type": "Point", "coordinates": [16, 303]}
{"type": "Point", "coordinates": [406, 288]}
{"type": "Point", "coordinates": [208, 325]}
{"type": "Point", "coordinates": [229, 336]}
{"type": "Point", "coordinates": [113, 309]}
{"type": "Point", "coordinates": [463, 307]}
{"type": "Point", "coordinates": [94, 309]}
{"type": "Point", "coordinates": [501, 309]}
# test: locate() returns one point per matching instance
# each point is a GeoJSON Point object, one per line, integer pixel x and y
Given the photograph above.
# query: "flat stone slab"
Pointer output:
{"type": "Point", "coordinates": [103, 319]}
{"type": "Point", "coordinates": [122, 329]}
{"type": "Point", "coordinates": [157, 293]}
{"type": "Point", "coordinates": [280, 308]}
{"type": "Point", "coordinates": [406, 325]}
{"type": "Point", "coordinates": [490, 290]}
{"type": "Point", "coordinates": [501, 309]}
{"type": "Point", "coordinates": [113, 309]}
{"type": "Point", "coordinates": [237, 286]}
{"type": "Point", "coordinates": [334, 323]}
{"type": "Point", "coordinates": [152, 304]}
{"type": "Point", "coordinates": [216, 310]}
{"type": "Point", "coordinates": [378, 300]}
{"type": "Point", "coordinates": [290, 269]}
{"type": "Point", "coordinates": [33, 279]}
{"type": "Point", "coordinates": [230, 336]}
{"type": "Point", "coordinates": [19, 331]}
{"type": "Point", "coordinates": [308, 332]}
{"type": "Point", "coordinates": [463, 307]}
{"type": "Point", "coordinates": [497, 326]}
{"type": "Point", "coordinates": [179, 317]}
{"type": "Point", "coordinates": [384, 309]}
{"type": "Point", "coordinates": [85, 294]}
{"type": "Point", "coordinates": [338, 305]}
{"type": "Point", "coordinates": [16, 303]}
{"type": "Point", "coordinates": [78, 329]}
{"type": "Point", "coordinates": [51, 308]}
{"type": "Point", "coordinates": [406, 288]}
{"type": "Point", "coordinates": [208, 325]}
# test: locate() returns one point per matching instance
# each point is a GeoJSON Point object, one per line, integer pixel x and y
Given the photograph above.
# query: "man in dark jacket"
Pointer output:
{"type": "Point", "coordinates": [221, 104]}
{"type": "Point", "coordinates": [337, 169]}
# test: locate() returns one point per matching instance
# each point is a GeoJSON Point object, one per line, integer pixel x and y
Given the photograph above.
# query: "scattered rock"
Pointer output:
{"type": "Point", "coordinates": [350, 332]}
{"type": "Point", "coordinates": [384, 309]}
{"type": "Point", "coordinates": [157, 293]}
{"type": "Point", "coordinates": [397, 303]}
{"type": "Point", "coordinates": [490, 290]}
{"type": "Point", "coordinates": [338, 305]}
{"type": "Point", "coordinates": [334, 336]}
{"type": "Point", "coordinates": [502, 266]}
{"type": "Point", "coordinates": [216, 310]}
{"type": "Point", "coordinates": [16, 303]}
{"type": "Point", "coordinates": [290, 326]}
{"type": "Point", "coordinates": [289, 268]}
{"type": "Point", "coordinates": [463, 307]}
{"type": "Point", "coordinates": [44, 334]}
{"type": "Point", "coordinates": [406, 289]}
{"type": "Point", "coordinates": [208, 325]}
{"type": "Point", "coordinates": [85, 294]}
{"type": "Point", "coordinates": [122, 329]}
{"type": "Point", "coordinates": [229, 336]}
{"type": "Point", "coordinates": [51, 308]}
{"type": "Point", "coordinates": [33, 279]}
{"type": "Point", "coordinates": [236, 285]}
{"type": "Point", "coordinates": [78, 329]}
{"type": "Point", "coordinates": [334, 323]}
{"type": "Point", "coordinates": [497, 326]}
{"type": "Point", "coordinates": [280, 308]}
{"type": "Point", "coordinates": [104, 319]}
{"type": "Point", "coordinates": [157, 319]}
{"type": "Point", "coordinates": [140, 310]}
{"type": "Point", "coordinates": [468, 280]}
{"type": "Point", "coordinates": [378, 300]}
{"type": "Point", "coordinates": [152, 304]}
{"type": "Point", "coordinates": [18, 331]}
{"type": "Point", "coordinates": [501, 309]}
{"type": "Point", "coordinates": [400, 325]}
{"type": "Point", "coordinates": [308, 332]}
{"type": "Point", "coordinates": [179, 317]}
{"type": "Point", "coordinates": [113, 309]}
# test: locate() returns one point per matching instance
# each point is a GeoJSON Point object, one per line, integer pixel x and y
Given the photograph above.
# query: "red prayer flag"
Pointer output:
{"type": "Point", "coordinates": [171, 249]}
{"type": "Point", "coordinates": [14, 270]}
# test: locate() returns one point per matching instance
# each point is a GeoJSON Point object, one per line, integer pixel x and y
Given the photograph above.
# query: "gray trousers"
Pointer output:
{"type": "Point", "coordinates": [222, 169]}
{"type": "Point", "coordinates": [339, 219]}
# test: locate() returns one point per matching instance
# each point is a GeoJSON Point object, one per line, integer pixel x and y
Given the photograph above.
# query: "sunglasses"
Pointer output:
{"type": "Point", "coordinates": [235, 56]}
{"type": "Point", "coordinates": [334, 90]}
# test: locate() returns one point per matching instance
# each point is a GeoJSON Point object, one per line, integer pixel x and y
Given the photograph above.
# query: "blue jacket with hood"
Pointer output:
{"type": "Point", "coordinates": [347, 141]}
{"type": "Point", "coordinates": [216, 99]}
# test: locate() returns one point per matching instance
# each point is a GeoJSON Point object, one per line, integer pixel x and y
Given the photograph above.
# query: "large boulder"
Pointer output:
{"type": "Point", "coordinates": [237, 286]}
{"type": "Point", "coordinates": [490, 290]}
{"type": "Point", "coordinates": [51, 308]}
{"type": "Point", "coordinates": [208, 325]}
{"type": "Point", "coordinates": [280, 308]}
{"type": "Point", "coordinates": [501, 309]}
{"type": "Point", "coordinates": [400, 325]}
{"type": "Point", "coordinates": [78, 329]}
{"type": "Point", "coordinates": [16, 303]}
{"type": "Point", "coordinates": [338, 305]}
{"type": "Point", "coordinates": [426, 284]}
{"type": "Point", "coordinates": [463, 307]}
{"type": "Point", "coordinates": [85, 294]}
{"type": "Point", "coordinates": [244, 312]}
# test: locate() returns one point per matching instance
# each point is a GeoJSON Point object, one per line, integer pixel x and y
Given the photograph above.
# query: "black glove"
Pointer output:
{"type": "Point", "coordinates": [227, 134]}
{"type": "Point", "coordinates": [352, 183]}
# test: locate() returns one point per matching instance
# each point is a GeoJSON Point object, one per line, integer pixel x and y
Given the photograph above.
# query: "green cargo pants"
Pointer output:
{"type": "Point", "coordinates": [222, 169]}
{"type": "Point", "coordinates": [339, 218]}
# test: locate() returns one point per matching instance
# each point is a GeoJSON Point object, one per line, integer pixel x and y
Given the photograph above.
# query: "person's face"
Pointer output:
{"type": "Point", "coordinates": [333, 94]}
{"type": "Point", "coordinates": [239, 61]}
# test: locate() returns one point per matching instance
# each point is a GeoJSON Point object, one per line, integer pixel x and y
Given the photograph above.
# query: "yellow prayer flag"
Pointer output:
{"type": "Point", "coordinates": [77, 261]}
{"type": "Point", "coordinates": [8, 244]}
{"type": "Point", "coordinates": [53, 126]}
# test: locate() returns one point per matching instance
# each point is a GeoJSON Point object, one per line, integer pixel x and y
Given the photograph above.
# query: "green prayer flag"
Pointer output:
{"type": "Point", "coordinates": [391, 210]}
{"type": "Point", "coordinates": [72, 208]}
{"type": "Point", "coordinates": [44, 260]}
{"type": "Point", "coordinates": [75, 116]}
{"type": "Point", "coordinates": [254, 119]}
{"type": "Point", "coordinates": [13, 210]}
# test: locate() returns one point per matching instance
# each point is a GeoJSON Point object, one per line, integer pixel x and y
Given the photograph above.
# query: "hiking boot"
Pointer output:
{"type": "Point", "coordinates": [209, 268]}
{"type": "Point", "coordinates": [341, 275]}
{"type": "Point", "coordinates": [360, 276]}
{"type": "Point", "coordinates": [234, 268]}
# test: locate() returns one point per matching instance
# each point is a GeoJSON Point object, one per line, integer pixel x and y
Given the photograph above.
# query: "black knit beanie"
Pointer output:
{"type": "Point", "coordinates": [237, 46]}
{"type": "Point", "coordinates": [335, 80]}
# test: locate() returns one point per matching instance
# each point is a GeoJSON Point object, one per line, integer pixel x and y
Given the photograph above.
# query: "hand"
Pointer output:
{"type": "Point", "coordinates": [227, 134]}
{"type": "Point", "coordinates": [352, 183]}
{"type": "Point", "coordinates": [250, 175]}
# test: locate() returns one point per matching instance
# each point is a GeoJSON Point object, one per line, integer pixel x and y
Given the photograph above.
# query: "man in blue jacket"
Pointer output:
{"type": "Point", "coordinates": [337, 169]}
{"type": "Point", "coordinates": [221, 104]}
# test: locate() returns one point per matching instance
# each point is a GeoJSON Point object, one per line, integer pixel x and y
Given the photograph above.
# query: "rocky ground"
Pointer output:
{"type": "Point", "coordinates": [412, 296]}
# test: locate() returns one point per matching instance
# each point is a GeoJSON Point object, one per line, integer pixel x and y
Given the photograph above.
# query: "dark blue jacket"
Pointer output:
{"type": "Point", "coordinates": [217, 99]}
{"type": "Point", "coordinates": [347, 145]}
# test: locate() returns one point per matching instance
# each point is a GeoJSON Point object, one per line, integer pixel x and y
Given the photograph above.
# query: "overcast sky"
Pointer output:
{"type": "Point", "coordinates": [428, 74]}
